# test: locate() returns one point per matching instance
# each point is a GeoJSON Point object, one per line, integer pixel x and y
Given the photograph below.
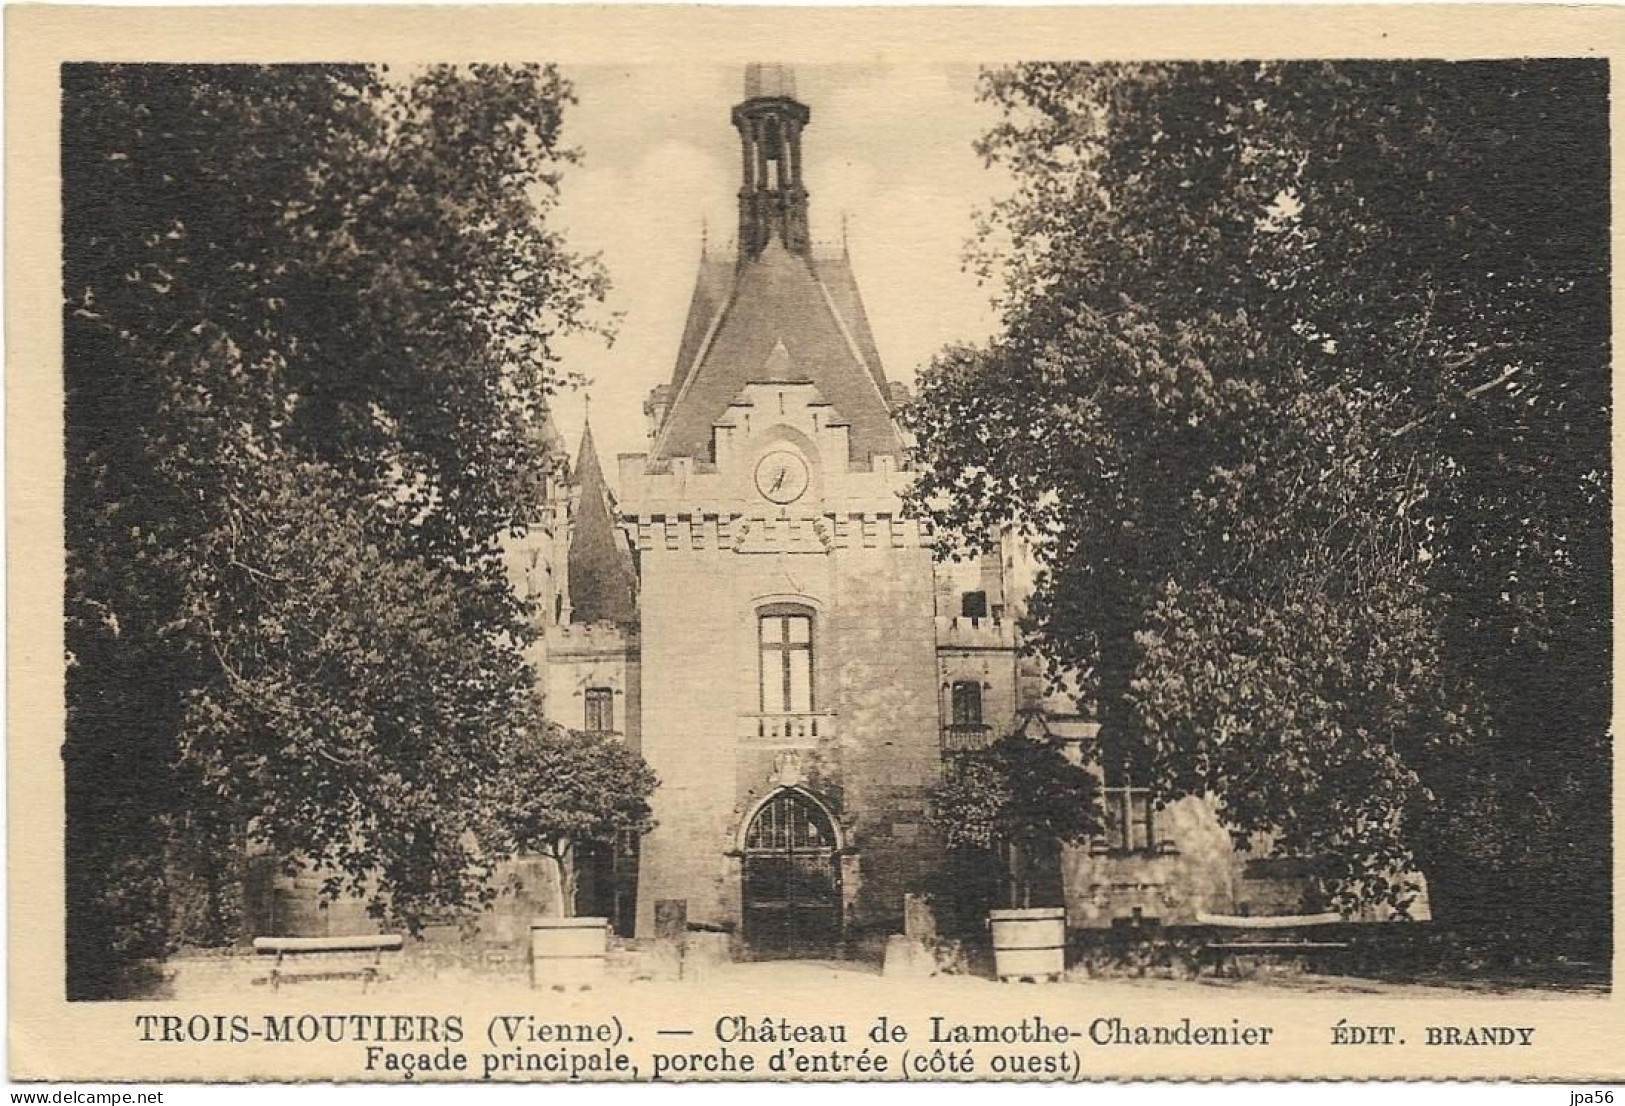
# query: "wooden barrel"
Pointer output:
{"type": "Point", "coordinates": [567, 952]}
{"type": "Point", "coordinates": [1029, 943]}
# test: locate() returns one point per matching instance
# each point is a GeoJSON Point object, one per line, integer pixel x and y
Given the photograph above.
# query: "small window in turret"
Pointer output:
{"type": "Point", "coordinates": [600, 710]}
{"type": "Point", "coordinates": [967, 703]}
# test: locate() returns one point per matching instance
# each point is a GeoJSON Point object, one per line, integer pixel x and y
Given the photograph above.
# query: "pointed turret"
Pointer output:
{"type": "Point", "coordinates": [603, 579]}
{"type": "Point", "coordinates": [543, 497]}
{"type": "Point", "coordinates": [780, 311]}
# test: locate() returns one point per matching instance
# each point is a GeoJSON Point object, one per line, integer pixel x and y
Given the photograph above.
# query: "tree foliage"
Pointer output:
{"type": "Point", "coordinates": [1019, 796]}
{"type": "Point", "coordinates": [309, 322]}
{"type": "Point", "coordinates": [566, 790]}
{"type": "Point", "coordinates": [1301, 397]}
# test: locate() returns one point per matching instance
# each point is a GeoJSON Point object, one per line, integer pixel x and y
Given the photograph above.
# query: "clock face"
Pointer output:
{"type": "Point", "coordinates": [781, 476]}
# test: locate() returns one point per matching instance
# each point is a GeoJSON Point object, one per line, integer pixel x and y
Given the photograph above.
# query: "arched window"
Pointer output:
{"type": "Point", "coordinates": [600, 710]}
{"type": "Point", "coordinates": [785, 650]}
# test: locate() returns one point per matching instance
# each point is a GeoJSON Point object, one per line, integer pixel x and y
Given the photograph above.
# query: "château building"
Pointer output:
{"type": "Point", "coordinates": [758, 617]}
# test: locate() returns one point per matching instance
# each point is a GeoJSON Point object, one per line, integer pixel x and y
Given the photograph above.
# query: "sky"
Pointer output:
{"type": "Point", "coordinates": [890, 148]}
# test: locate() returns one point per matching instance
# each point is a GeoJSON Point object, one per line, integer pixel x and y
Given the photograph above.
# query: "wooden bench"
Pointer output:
{"type": "Point", "coordinates": [1266, 945]}
{"type": "Point", "coordinates": [358, 957]}
{"type": "Point", "coordinates": [1219, 952]}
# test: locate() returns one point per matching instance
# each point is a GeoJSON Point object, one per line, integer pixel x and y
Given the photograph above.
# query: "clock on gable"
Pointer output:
{"type": "Point", "coordinates": [781, 476]}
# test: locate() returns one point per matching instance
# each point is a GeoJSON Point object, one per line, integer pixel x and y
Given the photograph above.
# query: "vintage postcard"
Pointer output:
{"type": "Point", "coordinates": [704, 544]}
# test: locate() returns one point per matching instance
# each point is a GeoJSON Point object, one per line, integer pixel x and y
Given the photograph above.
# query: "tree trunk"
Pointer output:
{"type": "Point", "coordinates": [1115, 674]}
{"type": "Point", "coordinates": [1012, 867]}
{"type": "Point", "coordinates": [564, 860]}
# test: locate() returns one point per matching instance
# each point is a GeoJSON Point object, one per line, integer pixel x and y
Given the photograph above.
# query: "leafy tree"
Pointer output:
{"type": "Point", "coordinates": [309, 324]}
{"type": "Point", "coordinates": [1019, 797]}
{"type": "Point", "coordinates": [565, 791]}
{"type": "Point", "coordinates": [1301, 398]}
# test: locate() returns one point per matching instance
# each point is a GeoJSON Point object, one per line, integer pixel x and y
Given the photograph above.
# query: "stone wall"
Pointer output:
{"type": "Point", "coordinates": [887, 670]}
{"type": "Point", "coordinates": [1196, 869]}
{"type": "Point", "coordinates": [691, 706]}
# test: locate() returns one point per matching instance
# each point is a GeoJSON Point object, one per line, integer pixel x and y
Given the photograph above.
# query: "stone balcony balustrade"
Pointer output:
{"type": "Point", "coordinates": [966, 737]}
{"type": "Point", "coordinates": [803, 729]}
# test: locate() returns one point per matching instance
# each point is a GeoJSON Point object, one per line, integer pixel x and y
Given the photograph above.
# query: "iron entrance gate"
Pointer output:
{"type": "Point", "coordinates": [792, 887]}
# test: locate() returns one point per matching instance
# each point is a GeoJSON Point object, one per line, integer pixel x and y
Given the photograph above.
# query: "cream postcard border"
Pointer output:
{"type": "Point", "coordinates": [1578, 1038]}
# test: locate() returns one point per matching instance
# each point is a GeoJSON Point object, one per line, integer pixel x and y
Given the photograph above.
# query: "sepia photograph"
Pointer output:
{"type": "Point", "coordinates": [1100, 534]}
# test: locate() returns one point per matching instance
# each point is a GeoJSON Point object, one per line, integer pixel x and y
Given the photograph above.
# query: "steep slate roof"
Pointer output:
{"type": "Point", "coordinates": [812, 308]}
{"type": "Point", "coordinates": [835, 274]}
{"type": "Point", "coordinates": [603, 581]}
{"type": "Point", "coordinates": [711, 291]}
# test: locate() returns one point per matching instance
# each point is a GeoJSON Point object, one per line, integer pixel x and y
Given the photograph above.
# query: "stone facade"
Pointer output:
{"type": "Point", "coordinates": [714, 552]}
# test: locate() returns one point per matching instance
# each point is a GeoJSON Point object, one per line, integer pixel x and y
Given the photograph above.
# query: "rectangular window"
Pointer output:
{"type": "Point", "coordinates": [973, 604]}
{"type": "Point", "coordinates": [600, 710]}
{"type": "Point", "coordinates": [786, 663]}
{"type": "Point", "coordinates": [967, 703]}
{"type": "Point", "coordinates": [1127, 819]}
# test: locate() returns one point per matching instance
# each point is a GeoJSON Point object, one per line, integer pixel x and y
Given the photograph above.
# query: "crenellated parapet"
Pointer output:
{"type": "Point", "coordinates": [578, 639]}
{"type": "Point", "coordinates": [699, 530]}
{"type": "Point", "coordinates": [976, 633]}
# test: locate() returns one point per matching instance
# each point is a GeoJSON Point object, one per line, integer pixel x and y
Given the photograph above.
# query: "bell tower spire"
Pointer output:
{"type": "Point", "coordinates": [772, 197]}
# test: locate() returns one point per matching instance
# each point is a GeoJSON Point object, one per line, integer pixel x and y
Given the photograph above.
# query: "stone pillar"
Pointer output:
{"type": "Point", "coordinates": [671, 919]}
{"type": "Point", "coordinates": [761, 155]}
{"type": "Point", "coordinates": [919, 919]}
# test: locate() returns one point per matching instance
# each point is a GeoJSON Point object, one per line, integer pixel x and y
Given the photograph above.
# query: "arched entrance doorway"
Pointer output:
{"type": "Point", "coordinates": [792, 886]}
